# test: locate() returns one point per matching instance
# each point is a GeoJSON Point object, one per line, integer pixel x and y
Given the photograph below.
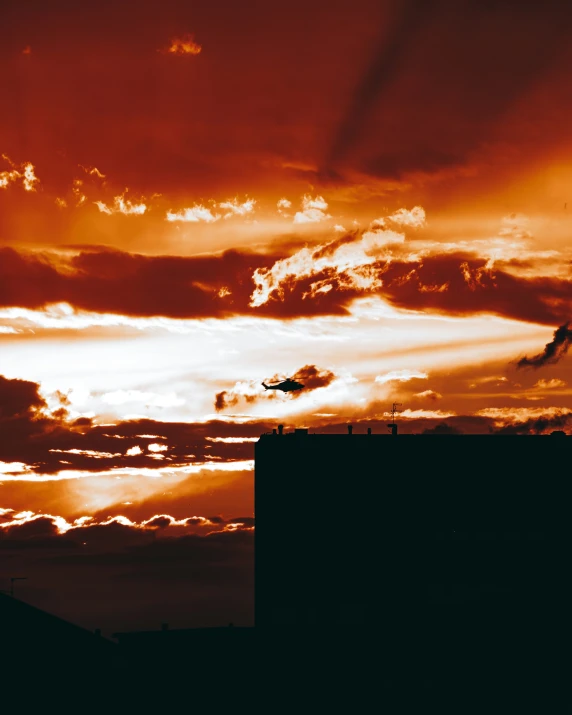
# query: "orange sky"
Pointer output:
{"type": "Point", "coordinates": [194, 197]}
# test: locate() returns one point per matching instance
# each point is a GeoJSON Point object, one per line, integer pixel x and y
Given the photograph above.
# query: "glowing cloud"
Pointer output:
{"type": "Point", "coordinates": [81, 198]}
{"type": "Point", "coordinates": [429, 395]}
{"type": "Point", "coordinates": [122, 205]}
{"type": "Point", "coordinates": [414, 218]}
{"type": "Point", "coordinates": [549, 384]}
{"type": "Point", "coordinates": [351, 259]}
{"type": "Point", "coordinates": [235, 208]}
{"type": "Point", "coordinates": [83, 524]}
{"type": "Point", "coordinates": [184, 45]}
{"type": "Point", "coordinates": [424, 414]}
{"type": "Point", "coordinates": [313, 210]}
{"type": "Point", "coordinates": [155, 447]}
{"type": "Point", "coordinates": [401, 376]}
{"type": "Point", "coordinates": [26, 175]}
{"type": "Point", "coordinates": [195, 214]}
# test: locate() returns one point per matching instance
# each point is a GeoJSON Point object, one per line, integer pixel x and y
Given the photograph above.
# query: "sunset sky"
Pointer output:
{"type": "Point", "coordinates": [373, 197]}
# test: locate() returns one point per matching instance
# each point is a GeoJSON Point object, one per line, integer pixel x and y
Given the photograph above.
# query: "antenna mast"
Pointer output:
{"type": "Point", "coordinates": [394, 410]}
{"type": "Point", "coordinates": [392, 425]}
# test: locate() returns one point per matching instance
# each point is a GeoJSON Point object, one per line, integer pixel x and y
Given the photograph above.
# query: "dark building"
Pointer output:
{"type": "Point", "coordinates": [38, 643]}
{"type": "Point", "coordinates": [396, 532]}
{"type": "Point", "coordinates": [188, 649]}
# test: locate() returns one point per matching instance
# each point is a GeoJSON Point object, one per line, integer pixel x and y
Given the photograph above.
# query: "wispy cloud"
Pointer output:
{"type": "Point", "coordinates": [184, 45]}
{"type": "Point", "coordinates": [401, 376]}
{"type": "Point", "coordinates": [429, 395]}
{"type": "Point", "coordinates": [549, 384]}
{"type": "Point", "coordinates": [92, 171]}
{"type": "Point", "coordinates": [193, 214]}
{"type": "Point", "coordinates": [123, 206]}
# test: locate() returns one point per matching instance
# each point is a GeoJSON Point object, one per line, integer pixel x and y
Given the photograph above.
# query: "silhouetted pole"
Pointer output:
{"type": "Point", "coordinates": [16, 578]}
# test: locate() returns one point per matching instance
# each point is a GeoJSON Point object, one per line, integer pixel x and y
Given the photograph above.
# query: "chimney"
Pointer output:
{"type": "Point", "coordinates": [164, 626]}
{"type": "Point", "coordinates": [273, 431]}
{"type": "Point", "coordinates": [350, 429]}
{"type": "Point", "coordinates": [369, 430]}
{"type": "Point", "coordinates": [393, 427]}
{"type": "Point", "coordinates": [280, 429]}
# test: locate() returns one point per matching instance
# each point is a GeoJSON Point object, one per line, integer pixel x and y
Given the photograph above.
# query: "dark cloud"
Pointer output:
{"type": "Point", "coordinates": [159, 522]}
{"type": "Point", "coordinates": [38, 531]}
{"type": "Point", "coordinates": [49, 442]}
{"type": "Point", "coordinates": [464, 285]}
{"type": "Point", "coordinates": [536, 425]}
{"type": "Point", "coordinates": [455, 284]}
{"type": "Point", "coordinates": [310, 376]}
{"type": "Point", "coordinates": [313, 377]}
{"type": "Point", "coordinates": [553, 351]}
{"type": "Point", "coordinates": [19, 399]}
{"type": "Point", "coordinates": [442, 428]}
{"type": "Point", "coordinates": [222, 399]}
{"type": "Point", "coordinates": [131, 284]}
{"type": "Point", "coordinates": [191, 287]}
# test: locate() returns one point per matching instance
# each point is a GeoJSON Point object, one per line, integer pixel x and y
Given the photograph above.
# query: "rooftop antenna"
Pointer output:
{"type": "Point", "coordinates": [394, 409]}
{"type": "Point", "coordinates": [393, 425]}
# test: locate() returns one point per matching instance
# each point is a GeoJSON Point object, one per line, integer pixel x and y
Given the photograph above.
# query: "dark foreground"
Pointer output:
{"type": "Point", "coordinates": [498, 659]}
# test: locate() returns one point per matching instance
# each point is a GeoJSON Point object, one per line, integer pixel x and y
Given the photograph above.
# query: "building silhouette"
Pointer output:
{"type": "Point", "coordinates": [188, 650]}
{"type": "Point", "coordinates": [395, 532]}
{"type": "Point", "coordinates": [38, 642]}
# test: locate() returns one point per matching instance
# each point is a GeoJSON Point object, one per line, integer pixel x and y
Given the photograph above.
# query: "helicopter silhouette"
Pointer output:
{"type": "Point", "coordinates": [284, 386]}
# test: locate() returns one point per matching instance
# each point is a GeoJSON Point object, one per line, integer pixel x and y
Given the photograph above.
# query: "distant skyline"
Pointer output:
{"type": "Point", "coordinates": [369, 197]}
